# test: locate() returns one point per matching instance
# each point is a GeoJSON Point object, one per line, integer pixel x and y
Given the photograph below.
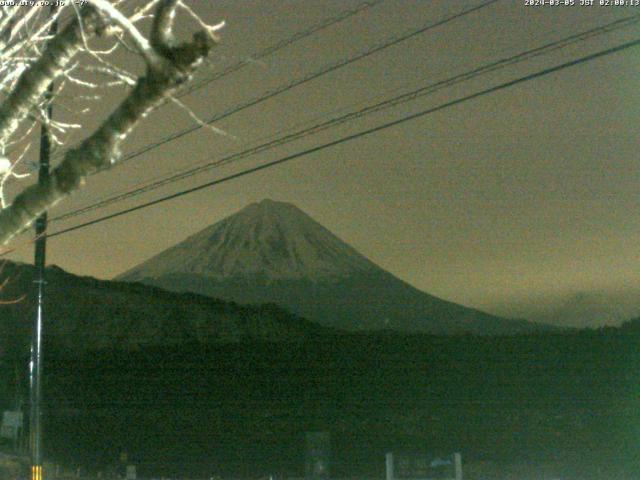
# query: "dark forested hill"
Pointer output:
{"type": "Point", "coordinates": [192, 385]}
{"type": "Point", "coordinates": [83, 313]}
{"type": "Point", "coordinates": [242, 409]}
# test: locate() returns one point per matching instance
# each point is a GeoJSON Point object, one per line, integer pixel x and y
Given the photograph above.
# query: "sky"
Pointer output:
{"type": "Point", "coordinates": [512, 202]}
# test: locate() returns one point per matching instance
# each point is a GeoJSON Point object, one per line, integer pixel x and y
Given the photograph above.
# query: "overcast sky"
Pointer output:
{"type": "Point", "coordinates": [530, 191]}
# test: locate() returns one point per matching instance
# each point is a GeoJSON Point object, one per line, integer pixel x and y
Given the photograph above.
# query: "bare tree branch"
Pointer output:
{"type": "Point", "coordinates": [141, 43]}
{"type": "Point", "coordinates": [34, 81]}
{"type": "Point", "coordinates": [177, 63]}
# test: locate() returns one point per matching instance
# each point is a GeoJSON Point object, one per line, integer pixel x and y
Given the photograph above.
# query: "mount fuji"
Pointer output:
{"type": "Point", "coordinates": [272, 252]}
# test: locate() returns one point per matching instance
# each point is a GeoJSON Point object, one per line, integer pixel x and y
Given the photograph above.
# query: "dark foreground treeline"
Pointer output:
{"type": "Point", "coordinates": [242, 409]}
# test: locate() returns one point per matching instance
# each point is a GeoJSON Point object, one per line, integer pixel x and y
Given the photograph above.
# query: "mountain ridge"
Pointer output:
{"type": "Point", "coordinates": [84, 313]}
{"type": "Point", "coordinates": [274, 252]}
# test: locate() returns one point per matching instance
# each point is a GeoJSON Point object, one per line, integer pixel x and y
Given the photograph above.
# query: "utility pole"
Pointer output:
{"type": "Point", "coordinates": [35, 365]}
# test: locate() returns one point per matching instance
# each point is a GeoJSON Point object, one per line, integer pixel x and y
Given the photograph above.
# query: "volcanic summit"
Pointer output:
{"type": "Point", "coordinates": [273, 252]}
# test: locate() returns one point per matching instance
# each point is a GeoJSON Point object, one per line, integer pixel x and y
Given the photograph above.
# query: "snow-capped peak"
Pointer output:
{"type": "Point", "coordinates": [266, 240]}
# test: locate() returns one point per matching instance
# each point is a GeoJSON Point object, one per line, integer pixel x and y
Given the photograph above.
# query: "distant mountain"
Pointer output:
{"type": "Point", "coordinates": [579, 309]}
{"type": "Point", "coordinates": [593, 309]}
{"type": "Point", "coordinates": [83, 313]}
{"type": "Point", "coordinates": [273, 252]}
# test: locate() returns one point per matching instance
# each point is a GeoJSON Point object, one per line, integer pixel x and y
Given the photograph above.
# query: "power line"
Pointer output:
{"type": "Point", "coordinates": [289, 86]}
{"type": "Point", "coordinates": [280, 45]}
{"type": "Point", "coordinates": [362, 133]}
{"type": "Point", "coordinates": [385, 104]}
{"type": "Point", "coordinates": [272, 140]}
{"type": "Point", "coordinates": [312, 76]}
{"type": "Point", "coordinates": [270, 50]}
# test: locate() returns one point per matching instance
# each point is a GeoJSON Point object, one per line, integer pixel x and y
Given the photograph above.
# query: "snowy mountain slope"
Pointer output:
{"type": "Point", "coordinates": [267, 240]}
{"type": "Point", "coordinates": [273, 252]}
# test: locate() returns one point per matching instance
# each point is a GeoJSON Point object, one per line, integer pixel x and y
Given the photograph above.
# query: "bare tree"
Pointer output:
{"type": "Point", "coordinates": [31, 59]}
